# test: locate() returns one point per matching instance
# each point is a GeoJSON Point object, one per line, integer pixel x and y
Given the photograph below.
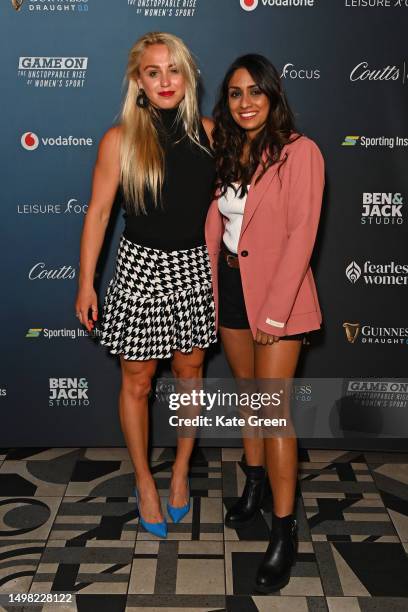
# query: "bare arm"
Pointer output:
{"type": "Point", "coordinates": [105, 182]}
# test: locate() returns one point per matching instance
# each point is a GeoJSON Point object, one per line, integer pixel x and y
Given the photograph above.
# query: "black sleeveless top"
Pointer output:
{"type": "Point", "coordinates": [177, 222]}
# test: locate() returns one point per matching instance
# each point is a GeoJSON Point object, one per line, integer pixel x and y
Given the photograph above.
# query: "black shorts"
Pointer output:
{"type": "Point", "coordinates": [232, 310]}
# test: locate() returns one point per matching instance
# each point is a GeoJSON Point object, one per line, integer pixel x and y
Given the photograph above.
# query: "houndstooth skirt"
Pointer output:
{"type": "Point", "coordinates": [158, 302]}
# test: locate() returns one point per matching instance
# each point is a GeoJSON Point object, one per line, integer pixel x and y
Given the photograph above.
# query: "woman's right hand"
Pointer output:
{"type": "Point", "coordinates": [86, 301]}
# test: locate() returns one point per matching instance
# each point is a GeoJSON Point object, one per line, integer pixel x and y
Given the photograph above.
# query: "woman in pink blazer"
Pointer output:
{"type": "Point", "coordinates": [260, 233]}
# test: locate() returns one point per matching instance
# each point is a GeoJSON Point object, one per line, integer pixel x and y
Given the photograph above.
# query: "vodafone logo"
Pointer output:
{"type": "Point", "coordinates": [30, 141]}
{"type": "Point", "coordinates": [249, 5]}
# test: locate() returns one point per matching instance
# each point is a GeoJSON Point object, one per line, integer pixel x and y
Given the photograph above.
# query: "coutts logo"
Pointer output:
{"type": "Point", "coordinates": [40, 272]}
{"type": "Point", "coordinates": [364, 72]}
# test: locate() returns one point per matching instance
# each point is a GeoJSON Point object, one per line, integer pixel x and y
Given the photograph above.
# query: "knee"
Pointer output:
{"type": "Point", "coordinates": [187, 370]}
{"type": "Point", "coordinates": [138, 386]}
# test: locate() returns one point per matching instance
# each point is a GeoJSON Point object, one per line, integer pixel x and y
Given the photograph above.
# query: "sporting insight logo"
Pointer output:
{"type": "Point", "coordinates": [68, 392]}
{"type": "Point", "coordinates": [52, 334]}
{"type": "Point", "coordinates": [30, 141]}
{"type": "Point", "coordinates": [53, 72]}
{"type": "Point", "coordinates": [251, 5]}
{"type": "Point", "coordinates": [382, 209]}
{"type": "Point", "coordinates": [378, 274]}
{"type": "Point", "coordinates": [388, 142]}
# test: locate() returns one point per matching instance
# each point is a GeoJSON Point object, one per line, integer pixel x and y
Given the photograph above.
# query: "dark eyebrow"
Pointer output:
{"type": "Point", "coordinates": [237, 87]}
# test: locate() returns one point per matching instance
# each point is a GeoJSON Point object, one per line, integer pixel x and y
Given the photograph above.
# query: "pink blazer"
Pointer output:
{"type": "Point", "coordinates": [276, 242]}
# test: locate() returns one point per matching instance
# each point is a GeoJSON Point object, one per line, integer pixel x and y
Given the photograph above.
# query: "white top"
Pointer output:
{"type": "Point", "coordinates": [232, 207]}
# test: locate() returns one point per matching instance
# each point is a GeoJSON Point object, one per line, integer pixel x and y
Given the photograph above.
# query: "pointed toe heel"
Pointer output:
{"type": "Point", "coordinates": [176, 514]}
{"type": "Point", "coordinates": [158, 529]}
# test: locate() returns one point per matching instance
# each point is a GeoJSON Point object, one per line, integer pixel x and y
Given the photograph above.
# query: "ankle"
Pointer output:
{"type": "Point", "coordinates": [180, 471]}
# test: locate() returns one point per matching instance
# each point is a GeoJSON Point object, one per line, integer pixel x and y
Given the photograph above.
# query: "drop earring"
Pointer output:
{"type": "Point", "coordinates": [142, 100]}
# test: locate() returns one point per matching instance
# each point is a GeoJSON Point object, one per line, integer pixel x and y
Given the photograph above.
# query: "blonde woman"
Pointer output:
{"type": "Point", "coordinates": [159, 304]}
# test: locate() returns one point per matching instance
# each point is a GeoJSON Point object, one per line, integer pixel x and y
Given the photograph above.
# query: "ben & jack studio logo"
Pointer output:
{"type": "Point", "coordinates": [30, 141]}
{"type": "Point", "coordinates": [52, 6]}
{"type": "Point", "coordinates": [72, 207]}
{"type": "Point", "coordinates": [382, 209]}
{"type": "Point", "coordinates": [165, 8]}
{"type": "Point", "coordinates": [378, 274]}
{"type": "Point", "coordinates": [40, 272]}
{"type": "Point", "coordinates": [364, 72]}
{"type": "Point", "coordinates": [291, 72]}
{"type": "Point", "coordinates": [251, 5]}
{"type": "Point", "coordinates": [64, 332]}
{"type": "Point", "coordinates": [371, 334]}
{"type": "Point", "coordinates": [68, 392]}
{"type": "Point", "coordinates": [53, 72]}
{"type": "Point", "coordinates": [376, 3]}
{"type": "Point", "coordinates": [375, 141]}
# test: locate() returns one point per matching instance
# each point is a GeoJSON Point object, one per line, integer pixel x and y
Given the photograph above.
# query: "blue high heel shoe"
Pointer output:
{"type": "Point", "coordinates": [157, 529]}
{"type": "Point", "coordinates": [177, 514]}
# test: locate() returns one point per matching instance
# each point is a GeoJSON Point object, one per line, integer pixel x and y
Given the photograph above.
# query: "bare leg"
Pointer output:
{"type": "Point", "coordinates": [134, 419]}
{"type": "Point", "coordinates": [279, 360]}
{"type": "Point", "coordinates": [186, 366]}
{"type": "Point", "coordinates": [239, 349]}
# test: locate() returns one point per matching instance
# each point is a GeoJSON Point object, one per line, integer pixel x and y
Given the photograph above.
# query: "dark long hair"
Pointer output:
{"type": "Point", "coordinates": [229, 137]}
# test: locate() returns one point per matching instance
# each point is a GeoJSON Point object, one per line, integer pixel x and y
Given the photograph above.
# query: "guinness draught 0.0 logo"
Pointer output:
{"type": "Point", "coordinates": [352, 331]}
{"type": "Point", "coordinates": [17, 4]}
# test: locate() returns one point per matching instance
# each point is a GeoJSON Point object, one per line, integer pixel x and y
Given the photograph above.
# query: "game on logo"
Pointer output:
{"type": "Point", "coordinates": [353, 272]}
{"type": "Point", "coordinates": [30, 141]}
{"type": "Point", "coordinates": [249, 5]}
{"type": "Point", "coordinates": [352, 331]}
{"type": "Point", "coordinates": [350, 141]}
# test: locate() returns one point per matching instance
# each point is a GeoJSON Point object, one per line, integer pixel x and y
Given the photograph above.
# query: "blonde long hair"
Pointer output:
{"type": "Point", "coordinates": [141, 155]}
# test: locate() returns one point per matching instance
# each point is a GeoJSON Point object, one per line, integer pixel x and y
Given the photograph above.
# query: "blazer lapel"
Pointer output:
{"type": "Point", "coordinates": [257, 191]}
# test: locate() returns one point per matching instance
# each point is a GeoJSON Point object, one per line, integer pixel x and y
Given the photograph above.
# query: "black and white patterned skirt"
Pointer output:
{"type": "Point", "coordinates": [158, 302]}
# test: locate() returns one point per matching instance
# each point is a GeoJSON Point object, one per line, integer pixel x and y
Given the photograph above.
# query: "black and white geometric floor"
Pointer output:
{"type": "Point", "coordinates": [68, 524]}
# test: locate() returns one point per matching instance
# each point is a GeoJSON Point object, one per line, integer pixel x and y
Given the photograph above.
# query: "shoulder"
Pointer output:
{"type": "Point", "coordinates": [208, 125]}
{"type": "Point", "coordinates": [302, 147]}
{"type": "Point", "coordinates": [111, 137]}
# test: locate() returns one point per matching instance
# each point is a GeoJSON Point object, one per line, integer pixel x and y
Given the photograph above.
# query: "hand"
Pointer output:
{"type": "Point", "coordinates": [86, 300]}
{"type": "Point", "coordinates": [262, 338]}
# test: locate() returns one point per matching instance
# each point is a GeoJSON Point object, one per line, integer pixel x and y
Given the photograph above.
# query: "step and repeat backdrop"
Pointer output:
{"type": "Point", "coordinates": [344, 64]}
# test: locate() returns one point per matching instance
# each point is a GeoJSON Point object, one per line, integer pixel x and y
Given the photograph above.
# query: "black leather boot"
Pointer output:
{"type": "Point", "coordinates": [244, 510]}
{"type": "Point", "coordinates": [274, 572]}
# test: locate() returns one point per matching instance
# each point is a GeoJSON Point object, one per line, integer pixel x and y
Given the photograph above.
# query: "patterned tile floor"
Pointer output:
{"type": "Point", "coordinates": [68, 524]}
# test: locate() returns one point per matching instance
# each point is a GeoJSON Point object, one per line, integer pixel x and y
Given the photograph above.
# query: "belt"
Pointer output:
{"type": "Point", "coordinates": [231, 259]}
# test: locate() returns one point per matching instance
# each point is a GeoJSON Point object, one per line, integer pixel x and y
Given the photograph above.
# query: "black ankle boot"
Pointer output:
{"type": "Point", "coordinates": [274, 572]}
{"type": "Point", "coordinates": [244, 510]}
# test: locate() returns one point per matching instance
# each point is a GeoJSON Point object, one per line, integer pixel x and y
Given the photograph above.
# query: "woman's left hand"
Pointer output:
{"type": "Point", "coordinates": [262, 338]}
